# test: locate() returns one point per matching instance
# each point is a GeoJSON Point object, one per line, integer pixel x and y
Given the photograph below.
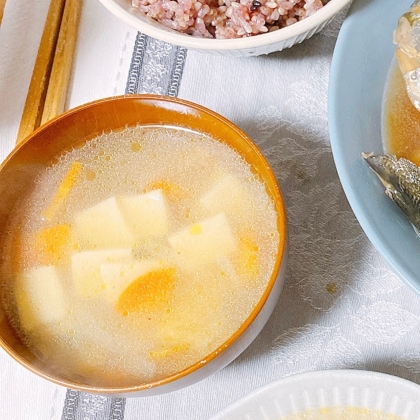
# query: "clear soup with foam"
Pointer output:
{"type": "Point", "coordinates": [138, 254]}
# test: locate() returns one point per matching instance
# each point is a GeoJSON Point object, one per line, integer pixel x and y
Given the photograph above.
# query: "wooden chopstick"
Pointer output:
{"type": "Point", "coordinates": [53, 65]}
{"type": "Point", "coordinates": [34, 105]}
{"type": "Point", "coordinates": [2, 6]}
{"type": "Point", "coordinates": [61, 70]}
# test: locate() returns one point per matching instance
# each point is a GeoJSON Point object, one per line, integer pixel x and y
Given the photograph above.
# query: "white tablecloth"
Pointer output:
{"type": "Point", "coordinates": [341, 307]}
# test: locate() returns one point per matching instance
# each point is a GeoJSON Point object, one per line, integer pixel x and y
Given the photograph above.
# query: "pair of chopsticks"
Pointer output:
{"type": "Point", "coordinates": [51, 75]}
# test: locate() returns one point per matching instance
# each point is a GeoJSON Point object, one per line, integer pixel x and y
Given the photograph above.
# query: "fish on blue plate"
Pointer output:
{"type": "Point", "coordinates": [400, 176]}
{"type": "Point", "coordinates": [401, 179]}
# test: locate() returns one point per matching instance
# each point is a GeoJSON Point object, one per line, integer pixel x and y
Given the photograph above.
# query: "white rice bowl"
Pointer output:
{"type": "Point", "coordinates": [225, 19]}
{"type": "Point", "coordinates": [239, 33]}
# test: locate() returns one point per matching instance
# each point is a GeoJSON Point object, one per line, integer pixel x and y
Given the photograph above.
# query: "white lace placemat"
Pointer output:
{"type": "Point", "coordinates": [341, 307]}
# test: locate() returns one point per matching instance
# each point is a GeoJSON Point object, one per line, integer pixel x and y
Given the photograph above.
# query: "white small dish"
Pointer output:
{"type": "Point", "coordinates": [387, 394]}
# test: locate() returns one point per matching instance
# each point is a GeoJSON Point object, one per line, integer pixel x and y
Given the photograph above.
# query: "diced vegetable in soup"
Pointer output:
{"type": "Point", "coordinates": [138, 254]}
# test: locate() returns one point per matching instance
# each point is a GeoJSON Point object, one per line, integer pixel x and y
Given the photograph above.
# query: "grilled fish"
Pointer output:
{"type": "Point", "coordinates": [401, 179]}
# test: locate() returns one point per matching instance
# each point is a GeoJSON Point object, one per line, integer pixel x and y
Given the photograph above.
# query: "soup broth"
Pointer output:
{"type": "Point", "coordinates": [401, 120]}
{"type": "Point", "coordinates": [138, 254]}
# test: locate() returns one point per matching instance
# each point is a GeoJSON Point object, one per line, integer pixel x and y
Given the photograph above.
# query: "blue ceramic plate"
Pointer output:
{"type": "Point", "coordinates": [362, 58]}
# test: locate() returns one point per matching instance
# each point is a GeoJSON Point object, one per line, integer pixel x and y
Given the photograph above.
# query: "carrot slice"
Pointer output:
{"type": "Point", "coordinates": [63, 191]}
{"type": "Point", "coordinates": [248, 259]}
{"type": "Point", "coordinates": [172, 191]}
{"type": "Point", "coordinates": [169, 352]}
{"type": "Point", "coordinates": [50, 243]}
{"type": "Point", "coordinates": [147, 293]}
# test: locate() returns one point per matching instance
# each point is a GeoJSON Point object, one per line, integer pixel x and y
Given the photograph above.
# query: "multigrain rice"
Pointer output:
{"type": "Point", "coordinates": [223, 19]}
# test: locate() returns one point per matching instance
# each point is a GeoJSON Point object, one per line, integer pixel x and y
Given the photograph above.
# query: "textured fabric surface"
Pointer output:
{"type": "Point", "coordinates": [341, 307]}
{"type": "Point", "coordinates": [156, 67]}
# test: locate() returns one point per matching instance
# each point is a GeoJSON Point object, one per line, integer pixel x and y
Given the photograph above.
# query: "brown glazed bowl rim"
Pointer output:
{"type": "Point", "coordinates": [281, 222]}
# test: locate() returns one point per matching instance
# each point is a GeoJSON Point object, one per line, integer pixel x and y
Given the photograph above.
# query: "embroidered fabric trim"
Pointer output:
{"type": "Point", "coordinates": [156, 67]}
{"type": "Point", "coordinates": [82, 406]}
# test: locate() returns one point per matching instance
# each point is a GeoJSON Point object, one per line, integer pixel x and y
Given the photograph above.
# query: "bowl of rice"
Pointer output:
{"type": "Point", "coordinates": [238, 28]}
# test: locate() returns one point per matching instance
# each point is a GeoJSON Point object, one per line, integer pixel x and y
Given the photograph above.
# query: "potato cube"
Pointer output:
{"type": "Point", "coordinates": [118, 275]}
{"type": "Point", "coordinates": [227, 195]}
{"type": "Point", "coordinates": [40, 297]}
{"type": "Point", "coordinates": [204, 242]}
{"type": "Point", "coordinates": [146, 214]}
{"type": "Point", "coordinates": [103, 226]}
{"type": "Point", "coordinates": [86, 268]}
